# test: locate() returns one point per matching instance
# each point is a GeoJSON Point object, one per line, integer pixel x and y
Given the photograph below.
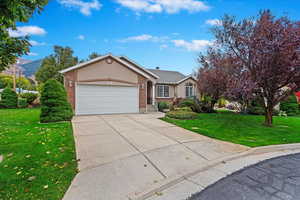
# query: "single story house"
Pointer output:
{"type": "Point", "coordinates": [115, 84]}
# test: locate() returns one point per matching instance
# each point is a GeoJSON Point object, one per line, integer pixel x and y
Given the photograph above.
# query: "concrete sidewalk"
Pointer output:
{"type": "Point", "coordinates": [134, 156]}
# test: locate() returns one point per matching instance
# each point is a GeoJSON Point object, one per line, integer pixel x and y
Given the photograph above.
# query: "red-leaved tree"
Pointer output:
{"type": "Point", "coordinates": [269, 50]}
{"type": "Point", "coordinates": [241, 89]}
{"type": "Point", "coordinates": [213, 75]}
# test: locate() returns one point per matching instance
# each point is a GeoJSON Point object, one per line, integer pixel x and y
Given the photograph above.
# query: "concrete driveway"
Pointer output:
{"type": "Point", "coordinates": [122, 156]}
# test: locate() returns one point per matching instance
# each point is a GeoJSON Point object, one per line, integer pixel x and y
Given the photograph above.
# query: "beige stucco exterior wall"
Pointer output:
{"type": "Point", "coordinates": [180, 89]}
{"type": "Point", "coordinates": [103, 70]}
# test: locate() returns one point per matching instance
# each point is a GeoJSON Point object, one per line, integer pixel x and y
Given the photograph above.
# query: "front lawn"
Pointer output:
{"type": "Point", "coordinates": [243, 129]}
{"type": "Point", "coordinates": [39, 159]}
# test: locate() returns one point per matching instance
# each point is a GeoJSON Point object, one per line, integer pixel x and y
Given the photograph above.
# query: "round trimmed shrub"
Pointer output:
{"type": "Point", "coordinates": [182, 114]}
{"type": "Point", "coordinates": [9, 98]}
{"type": "Point", "coordinates": [30, 97]}
{"type": "Point", "coordinates": [163, 105]}
{"type": "Point", "coordinates": [290, 106]}
{"type": "Point", "coordinates": [54, 104]}
{"type": "Point", "coordinates": [22, 103]}
{"type": "Point", "coordinates": [186, 103]}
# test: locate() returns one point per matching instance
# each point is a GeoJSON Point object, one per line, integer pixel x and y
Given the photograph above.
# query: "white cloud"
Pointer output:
{"type": "Point", "coordinates": [213, 22]}
{"type": "Point", "coordinates": [26, 30]}
{"type": "Point", "coordinates": [163, 46]}
{"type": "Point", "coordinates": [83, 6]}
{"type": "Point", "coordinates": [169, 6]}
{"type": "Point", "coordinates": [32, 54]}
{"type": "Point", "coordinates": [35, 43]}
{"type": "Point", "coordinates": [144, 37]}
{"type": "Point", "coordinates": [194, 45]}
{"type": "Point", "coordinates": [80, 37]}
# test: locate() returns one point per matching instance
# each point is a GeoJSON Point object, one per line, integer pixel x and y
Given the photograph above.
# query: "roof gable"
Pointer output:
{"type": "Point", "coordinates": [186, 78]}
{"type": "Point", "coordinates": [137, 65]}
{"type": "Point", "coordinates": [138, 69]}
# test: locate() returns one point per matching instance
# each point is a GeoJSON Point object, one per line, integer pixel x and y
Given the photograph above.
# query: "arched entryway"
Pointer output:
{"type": "Point", "coordinates": [149, 93]}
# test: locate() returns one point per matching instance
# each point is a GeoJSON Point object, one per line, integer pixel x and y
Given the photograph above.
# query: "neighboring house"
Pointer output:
{"type": "Point", "coordinates": [111, 84]}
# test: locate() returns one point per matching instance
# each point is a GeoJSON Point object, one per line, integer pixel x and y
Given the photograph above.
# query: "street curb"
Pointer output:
{"type": "Point", "coordinates": [288, 148]}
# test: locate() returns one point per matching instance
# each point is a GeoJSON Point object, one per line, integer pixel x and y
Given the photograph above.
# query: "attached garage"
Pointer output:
{"type": "Point", "coordinates": [107, 85]}
{"type": "Point", "coordinates": [97, 99]}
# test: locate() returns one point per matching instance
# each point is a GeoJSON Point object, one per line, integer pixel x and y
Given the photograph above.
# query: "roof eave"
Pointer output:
{"type": "Point", "coordinates": [167, 83]}
{"type": "Point", "coordinates": [142, 68]}
{"type": "Point", "coordinates": [186, 78]}
{"type": "Point", "coordinates": [144, 71]}
{"type": "Point", "coordinates": [83, 64]}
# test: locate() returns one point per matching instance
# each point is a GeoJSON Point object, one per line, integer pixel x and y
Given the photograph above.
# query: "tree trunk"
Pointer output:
{"type": "Point", "coordinates": [269, 116]}
{"type": "Point", "coordinates": [244, 107]}
{"type": "Point", "coordinates": [212, 104]}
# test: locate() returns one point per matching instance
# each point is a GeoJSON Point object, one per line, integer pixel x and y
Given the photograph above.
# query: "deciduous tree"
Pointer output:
{"type": "Point", "coordinates": [213, 75]}
{"type": "Point", "coordinates": [51, 65]}
{"type": "Point", "coordinates": [11, 12]}
{"type": "Point", "coordinates": [269, 50]}
{"type": "Point", "coordinates": [94, 55]}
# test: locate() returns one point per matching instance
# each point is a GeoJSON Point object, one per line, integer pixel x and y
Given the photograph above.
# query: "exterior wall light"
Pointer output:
{"type": "Point", "coordinates": [70, 84]}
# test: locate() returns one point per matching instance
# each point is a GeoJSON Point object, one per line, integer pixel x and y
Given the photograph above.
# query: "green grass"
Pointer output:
{"type": "Point", "coordinates": [243, 129]}
{"type": "Point", "coordinates": [39, 159]}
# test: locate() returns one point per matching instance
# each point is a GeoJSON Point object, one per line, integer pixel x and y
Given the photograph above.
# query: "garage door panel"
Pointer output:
{"type": "Point", "coordinates": [92, 99]}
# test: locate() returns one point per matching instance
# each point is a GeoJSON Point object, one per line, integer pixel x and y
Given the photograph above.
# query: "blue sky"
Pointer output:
{"type": "Point", "coordinates": [165, 33]}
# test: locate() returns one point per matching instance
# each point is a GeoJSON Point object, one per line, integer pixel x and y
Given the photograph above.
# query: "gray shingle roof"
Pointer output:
{"type": "Point", "coordinates": [167, 76]}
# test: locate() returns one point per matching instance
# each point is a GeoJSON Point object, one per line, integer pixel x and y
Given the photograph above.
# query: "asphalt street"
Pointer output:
{"type": "Point", "coordinates": [274, 179]}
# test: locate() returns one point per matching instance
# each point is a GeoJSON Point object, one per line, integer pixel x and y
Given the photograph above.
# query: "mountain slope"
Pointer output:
{"type": "Point", "coordinates": [32, 67]}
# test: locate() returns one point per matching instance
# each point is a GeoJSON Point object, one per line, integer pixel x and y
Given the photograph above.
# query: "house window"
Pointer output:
{"type": "Point", "coordinates": [189, 90]}
{"type": "Point", "coordinates": [163, 91]}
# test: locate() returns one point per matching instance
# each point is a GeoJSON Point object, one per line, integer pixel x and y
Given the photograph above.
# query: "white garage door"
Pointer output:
{"type": "Point", "coordinates": [94, 99]}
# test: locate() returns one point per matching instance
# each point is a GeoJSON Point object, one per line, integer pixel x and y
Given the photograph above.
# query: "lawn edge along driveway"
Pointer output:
{"type": "Point", "coordinates": [39, 160]}
{"type": "Point", "coordinates": [246, 130]}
